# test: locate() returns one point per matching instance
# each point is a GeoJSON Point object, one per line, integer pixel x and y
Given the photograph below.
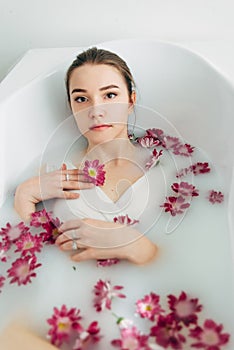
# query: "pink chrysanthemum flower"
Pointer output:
{"type": "Point", "coordinates": [27, 243]}
{"type": "Point", "coordinates": [131, 339]}
{"type": "Point", "coordinates": [62, 323]}
{"type": "Point", "coordinates": [157, 134]}
{"type": "Point", "coordinates": [40, 217]}
{"type": "Point", "coordinates": [94, 172]}
{"type": "Point", "coordinates": [154, 159]}
{"type": "Point", "coordinates": [52, 231]}
{"type": "Point", "coordinates": [196, 169]}
{"type": "Point", "coordinates": [215, 197]}
{"type": "Point", "coordinates": [149, 307]}
{"type": "Point", "coordinates": [23, 269]}
{"type": "Point", "coordinates": [107, 262]}
{"type": "Point", "coordinates": [125, 220]}
{"type": "Point", "coordinates": [183, 150]}
{"type": "Point", "coordinates": [88, 336]}
{"type": "Point", "coordinates": [185, 189]}
{"type": "Point", "coordinates": [104, 293]}
{"type": "Point", "coordinates": [184, 309]}
{"type": "Point", "coordinates": [175, 205]}
{"type": "Point", "coordinates": [148, 141]}
{"type": "Point", "coordinates": [170, 142]}
{"type": "Point", "coordinates": [4, 247]}
{"type": "Point", "coordinates": [209, 337]}
{"type": "Point", "coordinates": [12, 233]}
{"type": "Point", "coordinates": [167, 333]}
{"type": "Point", "coordinates": [2, 281]}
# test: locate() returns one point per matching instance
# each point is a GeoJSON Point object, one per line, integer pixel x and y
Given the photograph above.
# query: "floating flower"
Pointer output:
{"type": "Point", "coordinates": [39, 218]}
{"type": "Point", "coordinates": [170, 142]}
{"type": "Point", "coordinates": [131, 339]}
{"type": "Point", "coordinates": [107, 262]}
{"type": "Point", "coordinates": [62, 323]}
{"type": "Point", "coordinates": [12, 233]}
{"type": "Point", "coordinates": [185, 189]}
{"type": "Point", "coordinates": [197, 168]}
{"type": "Point", "coordinates": [210, 336]}
{"type": "Point", "coordinates": [94, 172]}
{"type": "Point", "coordinates": [22, 270]}
{"type": "Point", "coordinates": [148, 141]}
{"type": "Point", "coordinates": [167, 333]}
{"type": "Point", "coordinates": [183, 150]}
{"type": "Point", "coordinates": [2, 281]}
{"type": "Point", "coordinates": [175, 205]}
{"type": "Point", "coordinates": [52, 231]}
{"type": "Point", "coordinates": [184, 309]}
{"type": "Point", "coordinates": [157, 134]}
{"type": "Point", "coordinates": [4, 247]}
{"type": "Point", "coordinates": [154, 158]}
{"type": "Point", "coordinates": [104, 293]}
{"type": "Point", "coordinates": [215, 197]}
{"type": "Point", "coordinates": [87, 336]}
{"type": "Point", "coordinates": [149, 307]}
{"type": "Point", "coordinates": [125, 220]}
{"type": "Point", "coordinates": [27, 243]}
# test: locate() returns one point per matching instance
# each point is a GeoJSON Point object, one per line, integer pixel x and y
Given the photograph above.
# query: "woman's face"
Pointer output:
{"type": "Point", "coordinates": [100, 102]}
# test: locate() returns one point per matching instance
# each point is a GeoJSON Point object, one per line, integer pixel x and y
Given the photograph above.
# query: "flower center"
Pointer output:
{"type": "Point", "coordinates": [184, 308]}
{"type": "Point", "coordinates": [209, 337]}
{"type": "Point", "coordinates": [23, 271]}
{"type": "Point", "coordinates": [64, 325]}
{"type": "Point", "coordinates": [28, 245]}
{"type": "Point", "coordinates": [148, 308]}
{"type": "Point", "coordinates": [92, 172]}
{"type": "Point", "coordinates": [14, 233]}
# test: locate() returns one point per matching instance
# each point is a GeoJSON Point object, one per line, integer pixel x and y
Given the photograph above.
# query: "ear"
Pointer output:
{"type": "Point", "coordinates": [132, 102]}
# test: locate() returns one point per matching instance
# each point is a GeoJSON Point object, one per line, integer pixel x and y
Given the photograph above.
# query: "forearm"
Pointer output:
{"type": "Point", "coordinates": [17, 337]}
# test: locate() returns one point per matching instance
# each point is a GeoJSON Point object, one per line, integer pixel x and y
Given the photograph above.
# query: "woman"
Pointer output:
{"type": "Point", "coordinates": [101, 94]}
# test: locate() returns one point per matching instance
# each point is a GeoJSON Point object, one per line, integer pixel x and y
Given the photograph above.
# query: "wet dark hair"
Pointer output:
{"type": "Point", "coordinates": [100, 56]}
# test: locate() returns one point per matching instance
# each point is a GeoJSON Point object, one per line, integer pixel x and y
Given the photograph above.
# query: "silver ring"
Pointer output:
{"type": "Point", "coordinates": [74, 245]}
{"type": "Point", "coordinates": [67, 177]}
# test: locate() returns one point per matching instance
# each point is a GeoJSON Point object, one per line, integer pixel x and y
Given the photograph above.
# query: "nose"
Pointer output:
{"type": "Point", "coordinates": [96, 111]}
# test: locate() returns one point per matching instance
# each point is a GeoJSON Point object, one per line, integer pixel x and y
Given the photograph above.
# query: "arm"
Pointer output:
{"type": "Point", "coordinates": [15, 336]}
{"type": "Point", "coordinates": [103, 240]}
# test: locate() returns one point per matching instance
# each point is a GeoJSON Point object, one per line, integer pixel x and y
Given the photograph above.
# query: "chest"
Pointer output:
{"type": "Point", "coordinates": [119, 179]}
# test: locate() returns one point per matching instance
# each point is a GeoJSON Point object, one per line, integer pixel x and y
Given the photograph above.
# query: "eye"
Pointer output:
{"type": "Point", "coordinates": [111, 95]}
{"type": "Point", "coordinates": [81, 99]}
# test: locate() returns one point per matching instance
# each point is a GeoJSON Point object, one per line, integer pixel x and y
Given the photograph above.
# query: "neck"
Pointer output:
{"type": "Point", "coordinates": [116, 151]}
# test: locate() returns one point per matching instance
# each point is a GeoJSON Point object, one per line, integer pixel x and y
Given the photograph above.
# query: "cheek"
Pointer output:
{"type": "Point", "coordinates": [117, 112]}
{"type": "Point", "coordinates": [82, 121]}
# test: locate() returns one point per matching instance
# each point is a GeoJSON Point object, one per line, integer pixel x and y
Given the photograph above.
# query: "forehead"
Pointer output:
{"type": "Point", "coordinates": [96, 75]}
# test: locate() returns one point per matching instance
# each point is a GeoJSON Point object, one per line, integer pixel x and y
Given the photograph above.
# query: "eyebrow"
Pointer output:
{"type": "Point", "coordinates": [101, 89]}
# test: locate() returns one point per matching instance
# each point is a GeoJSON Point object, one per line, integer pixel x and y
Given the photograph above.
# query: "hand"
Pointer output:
{"type": "Point", "coordinates": [96, 239]}
{"type": "Point", "coordinates": [49, 185]}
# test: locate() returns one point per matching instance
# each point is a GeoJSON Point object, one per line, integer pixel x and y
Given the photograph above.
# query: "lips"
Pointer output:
{"type": "Point", "coordinates": [100, 127]}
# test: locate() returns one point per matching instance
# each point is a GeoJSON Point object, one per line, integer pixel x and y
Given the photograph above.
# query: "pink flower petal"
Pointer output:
{"type": "Point", "coordinates": [104, 293]}
{"type": "Point", "coordinates": [215, 197]}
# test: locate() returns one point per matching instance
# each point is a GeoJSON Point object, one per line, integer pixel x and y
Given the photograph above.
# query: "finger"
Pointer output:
{"type": "Point", "coordinates": [62, 239]}
{"type": "Point", "coordinates": [69, 245]}
{"type": "Point", "coordinates": [63, 167]}
{"type": "Point", "coordinates": [70, 225]}
{"type": "Point", "coordinates": [75, 185]}
{"type": "Point", "coordinates": [86, 254]}
{"type": "Point", "coordinates": [72, 171]}
{"type": "Point", "coordinates": [69, 195]}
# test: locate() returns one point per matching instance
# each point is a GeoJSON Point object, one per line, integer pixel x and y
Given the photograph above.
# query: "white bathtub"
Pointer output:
{"type": "Point", "coordinates": [193, 100]}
